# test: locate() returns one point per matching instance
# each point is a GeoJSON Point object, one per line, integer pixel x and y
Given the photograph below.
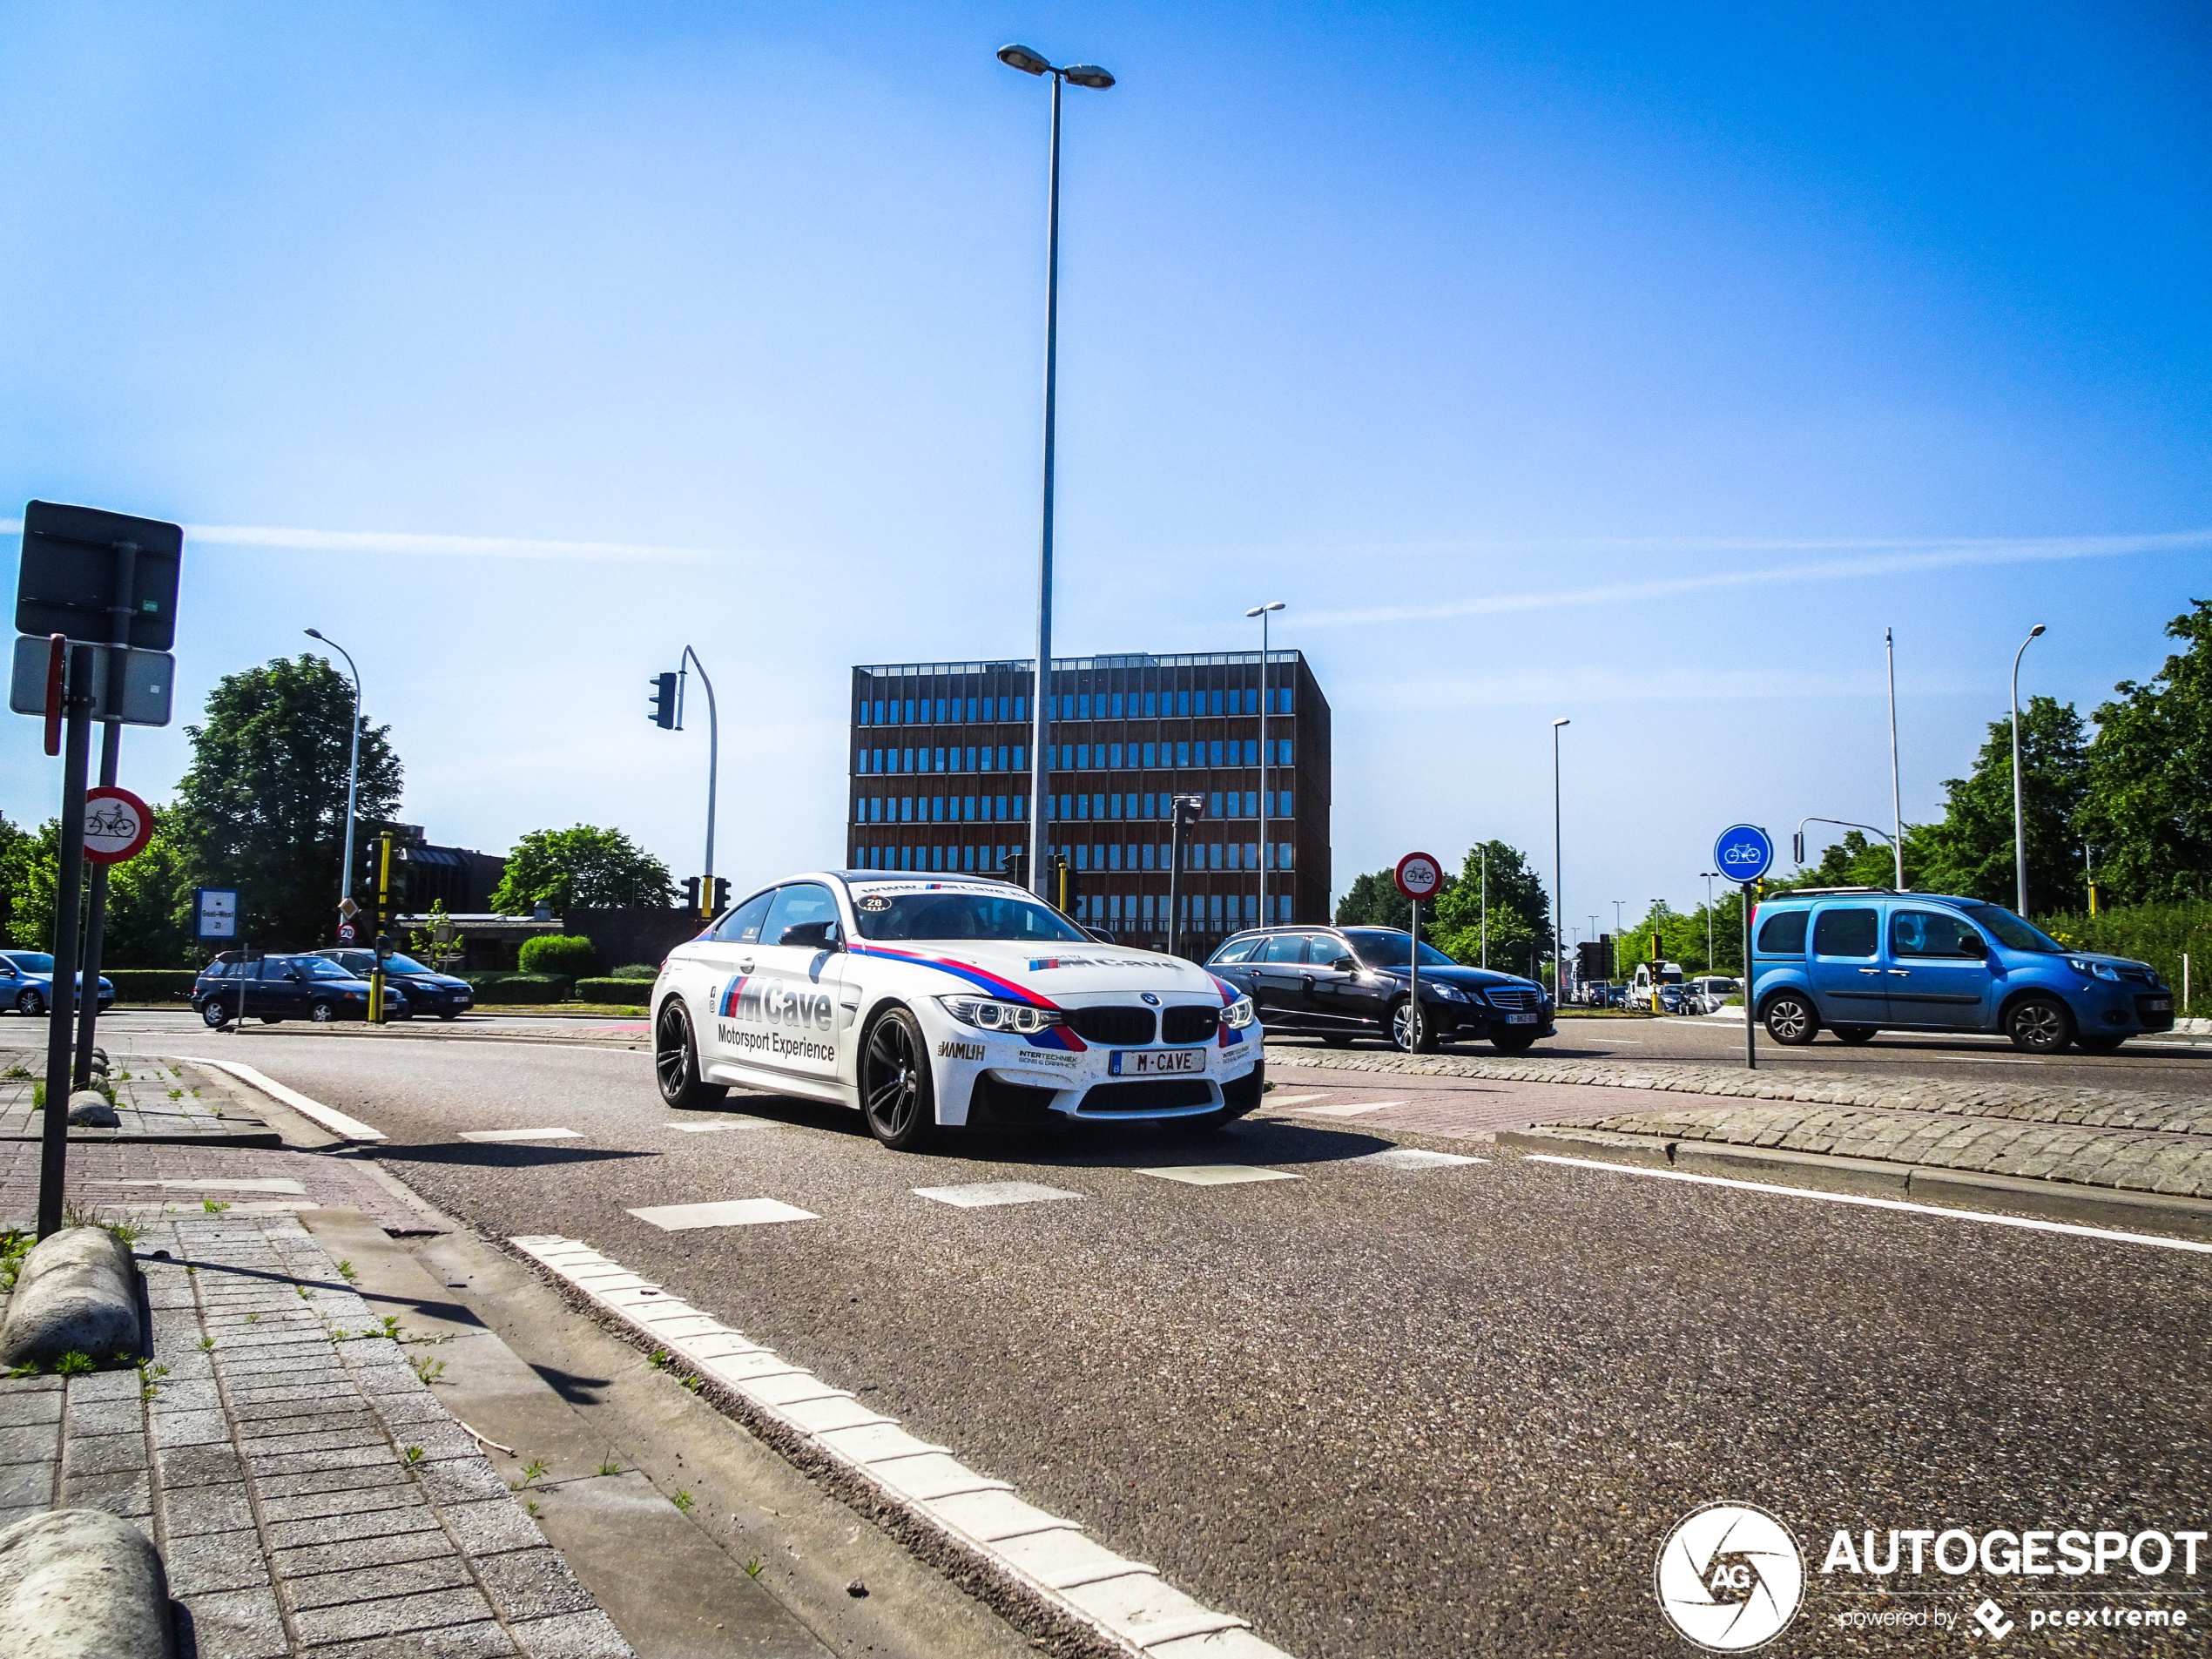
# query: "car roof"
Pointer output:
{"type": "Point", "coordinates": [1808, 894]}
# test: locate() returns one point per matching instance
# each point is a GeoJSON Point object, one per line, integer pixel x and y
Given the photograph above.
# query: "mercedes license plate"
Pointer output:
{"type": "Point", "coordinates": [1521, 1019]}
{"type": "Point", "coordinates": [2160, 1004]}
{"type": "Point", "coordinates": [1153, 1062]}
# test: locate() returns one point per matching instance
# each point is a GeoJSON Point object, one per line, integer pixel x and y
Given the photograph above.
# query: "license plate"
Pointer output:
{"type": "Point", "coordinates": [1153, 1062]}
{"type": "Point", "coordinates": [2160, 1004]}
{"type": "Point", "coordinates": [1521, 1019]}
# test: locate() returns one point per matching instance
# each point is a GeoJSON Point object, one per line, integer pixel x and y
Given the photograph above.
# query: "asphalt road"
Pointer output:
{"type": "Point", "coordinates": [1376, 1410]}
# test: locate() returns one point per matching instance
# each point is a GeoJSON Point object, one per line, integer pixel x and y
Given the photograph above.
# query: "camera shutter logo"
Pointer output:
{"type": "Point", "coordinates": [1731, 1577]}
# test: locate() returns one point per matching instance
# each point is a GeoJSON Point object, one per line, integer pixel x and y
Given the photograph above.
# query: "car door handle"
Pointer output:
{"type": "Point", "coordinates": [1870, 970]}
{"type": "Point", "coordinates": [1902, 973]}
{"type": "Point", "coordinates": [745, 967]}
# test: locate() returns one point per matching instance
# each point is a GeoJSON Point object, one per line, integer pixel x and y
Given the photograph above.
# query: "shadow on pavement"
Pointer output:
{"type": "Point", "coordinates": [505, 1155]}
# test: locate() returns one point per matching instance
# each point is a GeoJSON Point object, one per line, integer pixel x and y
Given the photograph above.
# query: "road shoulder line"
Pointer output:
{"type": "Point", "coordinates": [1047, 1563]}
{"type": "Point", "coordinates": [348, 1128]}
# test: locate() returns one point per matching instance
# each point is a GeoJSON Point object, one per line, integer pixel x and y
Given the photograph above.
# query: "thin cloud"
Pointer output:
{"type": "Point", "coordinates": [405, 543]}
{"type": "Point", "coordinates": [1892, 558]}
{"type": "Point", "coordinates": [1589, 687]}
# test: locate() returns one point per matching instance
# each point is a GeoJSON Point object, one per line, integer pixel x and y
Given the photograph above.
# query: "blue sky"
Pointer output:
{"type": "Point", "coordinates": [1596, 361]}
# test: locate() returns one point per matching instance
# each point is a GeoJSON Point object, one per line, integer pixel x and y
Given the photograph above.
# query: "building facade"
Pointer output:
{"type": "Point", "coordinates": [941, 771]}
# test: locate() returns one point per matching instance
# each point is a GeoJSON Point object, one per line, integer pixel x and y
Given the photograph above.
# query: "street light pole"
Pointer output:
{"type": "Point", "coordinates": [1897, 795]}
{"type": "Point", "coordinates": [713, 766]}
{"type": "Point", "coordinates": [353, 766]}
{"type": "Point", "coordinates": [2019, 840]}
{"type": "Point", "coordinates": [1262, 612]}
{"type": "Point", "coordinates": [1559, 967]}
{"type": "Point", "coordinates": [1090, 75]}
{"type": "Point", "coordinates": [1711, 967]}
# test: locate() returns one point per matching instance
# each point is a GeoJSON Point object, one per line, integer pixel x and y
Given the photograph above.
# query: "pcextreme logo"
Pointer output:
{"type": "Point", "coordinates": [1729, 1577]}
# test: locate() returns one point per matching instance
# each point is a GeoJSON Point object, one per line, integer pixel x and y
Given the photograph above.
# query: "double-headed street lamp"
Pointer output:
{"type": "Point", "coordinates": [353, 766]}
{"type": "Point", "coordinates": [1265, 693]}
{"type": "Point", "coordinates": [1088, 75]}
{"type": "Point", "coordinates": [2020, 841]}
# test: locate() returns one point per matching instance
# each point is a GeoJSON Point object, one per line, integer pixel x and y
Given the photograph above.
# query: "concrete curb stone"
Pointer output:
{"type": "Point", "coordinates": [82, 1584]}
{"type": "Point", "coordinates": [77, 1292]}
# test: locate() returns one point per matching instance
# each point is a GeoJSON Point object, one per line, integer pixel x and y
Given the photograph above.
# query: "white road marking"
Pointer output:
{"type": "Point", "coordinates": [1410, 1157]}
{"type": "Point", "coordinates": [1217, 1175]}
{"type": "Point", "coordinates": [2029, 1224]}
{"type": "Point", "coordinates": [330, 1118]}
{"type": "Point", "coordinates": [736, 1212]}
{"type": "Point", "coordinates": [1289, 1100]}
{"type": "Point", "coordinates": [1125, 1600]}
{"type": "Point", "coordinates": [979, 1194]}
{"type": "Point", "coordinates": [1346, 1110]}
{"type": "Point", "coordinates": [520, 1135]}
{"type": "Point", "coordinates": [717, 1129]}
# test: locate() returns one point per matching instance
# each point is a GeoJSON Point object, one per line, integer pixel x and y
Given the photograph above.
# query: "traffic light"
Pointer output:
{"type": "Point", "coordinates": [721, 896]}
{"type": "Point", "coordinates": [691, 893]}
{"type": "Point", "coordinates": [1015, 867]}
{"type": "Point", "coordinates": [664, 702]}
{"type": "Point", "coordinates": [1060, 886]}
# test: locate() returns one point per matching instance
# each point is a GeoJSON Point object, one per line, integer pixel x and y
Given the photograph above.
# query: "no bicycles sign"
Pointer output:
{"type": "Point", "coordinates": [1419, 876]}
{"type": "Point", "coordinates": [117, 824]}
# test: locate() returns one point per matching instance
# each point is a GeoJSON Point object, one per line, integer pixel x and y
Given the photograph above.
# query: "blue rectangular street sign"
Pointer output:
{"type": "Point", "coordinates": [214, 913]}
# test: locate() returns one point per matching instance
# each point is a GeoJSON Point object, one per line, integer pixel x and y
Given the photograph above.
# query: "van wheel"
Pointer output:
{"type": "Point", "coordinates": [1789, 1019]}
{"type": "Point", "coordinates": [676, 1062]}
{"type": "Point", "coordinates": [898, 1094]}
{"type": "Point", "coordinates": [2039, 1025]}
{"type": "Point", "coordinates": [1853, 1034]}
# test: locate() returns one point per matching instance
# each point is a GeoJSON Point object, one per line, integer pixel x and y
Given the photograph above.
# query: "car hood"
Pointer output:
{"type": "Point", "coordinates": [1473, 979]}
{"type": "Point", "coordinates": [998, 967]}
{"type": "Point", "coordinates": [436, 982]}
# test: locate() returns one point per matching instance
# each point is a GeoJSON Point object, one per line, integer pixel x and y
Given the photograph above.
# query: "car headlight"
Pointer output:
{"type": "Point", "coordinates": [2095, 970]}
{"type": "Point", "coordinates": [1238, 1015]}
{"type": "Point", "coordinates": [1450, 993]}
{"type": "Point", "coordinates": [990, 1014]}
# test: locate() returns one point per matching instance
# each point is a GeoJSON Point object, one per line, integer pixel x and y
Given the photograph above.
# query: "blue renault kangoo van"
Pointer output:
{"type": "Point", "coordinates": [1861, 959]}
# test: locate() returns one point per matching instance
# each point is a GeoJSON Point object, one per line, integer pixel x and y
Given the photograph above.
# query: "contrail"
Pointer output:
{"type": "Point", "coordinates": [1907, 556]}
{"type": "Point", "coordinates": [400, 542]}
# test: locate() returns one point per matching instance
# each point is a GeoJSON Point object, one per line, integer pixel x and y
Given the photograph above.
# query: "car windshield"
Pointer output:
{"type": "Point", "coordinates": [32, 962]}
{"type": "Point", "coordinates": [322, 967]}
{"type": "Point", "coordinates": [397, 963]}
{"type": "Point", "coordinates": [1379, 948]}
{"type": "Point", "coordinates": [963, 915]}
{"type": "Point", "coordinates": [2011, 931]}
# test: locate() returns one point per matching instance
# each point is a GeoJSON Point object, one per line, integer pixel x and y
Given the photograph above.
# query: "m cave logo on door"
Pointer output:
{"type": "Point", "coordinates": [750, 1000]}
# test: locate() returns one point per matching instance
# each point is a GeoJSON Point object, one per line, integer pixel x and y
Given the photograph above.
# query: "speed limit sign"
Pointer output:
{"type": "Point", "coordinates": [1419, 876]}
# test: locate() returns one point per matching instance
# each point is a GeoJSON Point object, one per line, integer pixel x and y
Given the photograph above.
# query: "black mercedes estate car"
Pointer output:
{"type": "Point", "coordinates": [1344, 982]}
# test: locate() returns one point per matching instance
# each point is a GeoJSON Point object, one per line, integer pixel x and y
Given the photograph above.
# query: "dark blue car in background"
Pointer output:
{"type": "Point", "coordinates": [1862, 959]}
{"type": "Point", "coordinates": [27, 982]}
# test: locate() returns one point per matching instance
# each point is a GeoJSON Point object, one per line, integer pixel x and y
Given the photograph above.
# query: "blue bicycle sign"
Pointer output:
{"type": "Point", "coordinates": [1743, 853]}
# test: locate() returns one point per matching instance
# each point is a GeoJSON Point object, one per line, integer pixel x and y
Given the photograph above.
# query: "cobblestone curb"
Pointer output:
{"type": "Point", "coordinates": [2086, 1106]}
{"type": "Point", "coordinates": [307, 1491]}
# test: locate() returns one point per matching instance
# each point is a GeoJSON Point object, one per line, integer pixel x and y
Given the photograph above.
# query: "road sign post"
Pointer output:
{"type": "Point", "coordinates": [1743, 853]}
{"type": "Point", "coordinates": [1418, 876]}
{"type": "Point", "coordinates": [76, 747]}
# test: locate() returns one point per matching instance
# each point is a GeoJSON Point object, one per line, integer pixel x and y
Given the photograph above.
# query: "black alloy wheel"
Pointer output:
{"type": "Point", "coordinates": [898, 1094]}
{"type": "Point", "coordinates": [1854, 1034]}
{"type": "Point", "coordinates": [676, 1062]}
{"type": "Point", "coordinates": [1411, 1030]}
{"type": "Point", "coordinates": [30, 1005]}
{"type": "Point", "coordinates": [2039, 1025]}
{"type": "Point", "coordinates": [1789, 1019]}
{"type": "Point", "coordinates": [322, 1011]}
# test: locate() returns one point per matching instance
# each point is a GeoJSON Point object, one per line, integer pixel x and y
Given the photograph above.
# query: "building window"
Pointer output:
{"type": "Point", "coordinates": [1217, 753]}
{"type": "Point", "coordinates": [1215, 906]}
{"type": "Point", "coordinates": [1251, 855]}
{"type": "Point", "coordinates": [1282, 855]}
{"type": "Point", "coordinates": [1147, 855]}
{"type": "Point", "coordinates": [1215, 706]}
{"type": "Point", "coordinates": [1145, 908]}
{"type": "Point", "coordinates": [936, 809]}
{"type": "Point", "coordinates": [1213, 805]}
{"type": "Point", "coordinates": [1182, 703]}
{"type": "Point", "coordinates": [1283, 752]}
{"type": "Point", "coordinates": [971, 720]}
{"type": "Point", "coordinates": [1213, 855]}
{"type": "Point", "coordinates": [1232, 856]}
{"type": "Point", "coordinates": [1098, 806]}
{"type": "Point", "coordinates": [1181, 754]}
{"type": "Point", "coordinates": [967, 859]}
{"type": "Point", "coordinates": [1282, 805]}
{"type": "Point", "coordinates": [1114, 857]}
{"type": "Point", "coordinates": [1082, 806]}
{"type": "Point", "coordinates": [1252, 752]}
{"type": "Point", "coordinates": [1151, 754]}
{"type": "Point", "coordinates": [1083, 757]}
{"type": "Point", "coordinates": [967, 807]}
{"type": "Point", "coordinates": [1114, 754]}
{"type": "Point", "coordinates": [1021, 706]}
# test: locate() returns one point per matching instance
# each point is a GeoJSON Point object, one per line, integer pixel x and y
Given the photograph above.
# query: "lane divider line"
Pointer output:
{"type": "Point", "coordinates": [330, 1118]}
{"type": "Point", "coordinates": [1126, 1602]}
{"type": "Point", "coordinates": [2071, 1229]}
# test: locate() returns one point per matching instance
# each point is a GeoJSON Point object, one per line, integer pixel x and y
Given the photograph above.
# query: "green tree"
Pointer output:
{"type": "Point", "coordinates": [33, 873]}
{"type": "Point", "coordinates": [262, 806]}
{"type": "Point", "coordinates": [1373, 900]}
{"type": "Point", "coordinates": [1520, 910]}
{"type": "Point", "coordinates": [1970, 852]}
{"type": "Point", "coordinates": [1858, 860]}
{"type": "Point", "coordinates": [149, 921]}
{"type": "Point", "coordinates": [582, 866]}
{"type": "Point", "coordinates": [18, 851]}
{"type": "Point", "coordinates": [2148, 805]}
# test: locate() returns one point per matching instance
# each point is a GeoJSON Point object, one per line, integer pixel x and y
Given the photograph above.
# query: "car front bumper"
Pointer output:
{"type": "Point", "coordinates": [994, 1077]}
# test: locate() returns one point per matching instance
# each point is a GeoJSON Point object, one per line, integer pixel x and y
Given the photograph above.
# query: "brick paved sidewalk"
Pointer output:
{"type": "Point", "coordinates": [307, 1491]}
{"type": "Point", "coordinates": [136, 1181]}
{"type": "Point", "coordinates": [157, 1100]}
{"type": "Point", "coordinates": [2117, 1109]}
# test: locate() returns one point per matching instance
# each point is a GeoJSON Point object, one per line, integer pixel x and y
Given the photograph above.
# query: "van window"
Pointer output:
{"type": "Point", "coordinates": [1927, 932]}
{"type": "Point", "coordinates": [1847, 932]}
{"type": "Point", "coordinates": [1783, 933]}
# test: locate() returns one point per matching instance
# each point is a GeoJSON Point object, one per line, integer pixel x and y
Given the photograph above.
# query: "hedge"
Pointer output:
{"type": "Point", "coordinates": [629, 992]}
{"type": "Point", "coordinates": [150, 984]}
{"type": "Point", "coordinates": [568, 954]}
{"type": "Point", "coordinates": [518, 988]}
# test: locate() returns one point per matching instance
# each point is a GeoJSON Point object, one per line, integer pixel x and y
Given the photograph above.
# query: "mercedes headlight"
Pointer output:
{"type": "Point", "coordinates": [1238, 1015]}
{"type": "Point", "coordinates": [990, 1014]}
{"type": "Point", "coordinates": [1449, 993]}
{"type": "Point", "coordinates": [2095, 970]}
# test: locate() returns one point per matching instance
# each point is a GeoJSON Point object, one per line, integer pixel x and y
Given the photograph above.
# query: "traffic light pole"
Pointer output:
{"type": "Point", "coordinates": [713, 763]}
{"type": "Point", "coordinates": [381, 944]}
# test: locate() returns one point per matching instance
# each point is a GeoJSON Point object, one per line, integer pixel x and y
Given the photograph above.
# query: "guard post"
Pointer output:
{"type": "Point", "coordinates": [383, 941]}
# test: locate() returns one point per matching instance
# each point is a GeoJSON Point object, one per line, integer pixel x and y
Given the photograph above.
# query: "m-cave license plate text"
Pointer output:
{"type": "Point", "coordinates": [1152, 1062]}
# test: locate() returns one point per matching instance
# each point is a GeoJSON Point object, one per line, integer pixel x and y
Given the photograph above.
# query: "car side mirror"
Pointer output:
{"type": "Point", "coordinates": [1973, 945]}
{"type": "Point", "coordinates": [1104, 936]}
{"type": "Point", "coordinates": [1344, 965]}
{"type": "Point", "coordinates": [813, 935]}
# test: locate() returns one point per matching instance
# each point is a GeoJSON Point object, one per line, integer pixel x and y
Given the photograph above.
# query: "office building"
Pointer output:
{"type": "Point", "coordinates": [941, 781]}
